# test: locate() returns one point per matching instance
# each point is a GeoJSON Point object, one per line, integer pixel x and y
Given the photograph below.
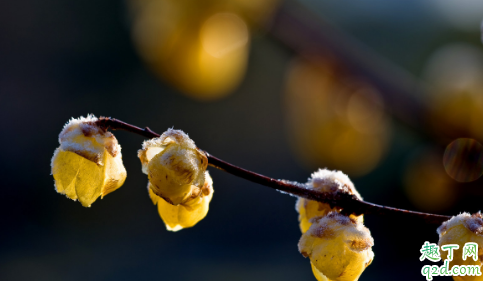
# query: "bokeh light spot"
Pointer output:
{"type": "Point", "coordinates": [427, 185]}
{"type": "Point", "coordinates": [463, 14]}
{"type": "Point", "coordinates": [222, 33]}
{"type": "Point", "coordinates": [334, 119]}
{"type": "Point", "coordinates": [455, 99]}
{"type": "Point", "coordinates": [463, 160]}
{"type": "Point", "coordinates": [365, 110]}
{"type": "Point", "coordinates": [202, 52]}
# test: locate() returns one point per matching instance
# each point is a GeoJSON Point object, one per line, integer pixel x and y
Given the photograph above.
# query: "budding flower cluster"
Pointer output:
{"type": "Point", "coordinates": [88, 162]}
{"type": "Point", "coordinates": [178, 181]}
{"type": "Point", "coordinates": [459, 230]}
{"type": "Point", "coordinates": [339, 247]}
{"type": "Point", "coordinates": [324, 181]}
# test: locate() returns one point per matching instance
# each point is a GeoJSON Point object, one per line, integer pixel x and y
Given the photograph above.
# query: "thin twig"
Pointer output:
{"type": "Point", "coordinates": [348, 203]}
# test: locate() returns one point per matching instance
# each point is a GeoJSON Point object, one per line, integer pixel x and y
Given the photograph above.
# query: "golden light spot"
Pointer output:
{"type": "Point", "coordinates": [455, 100]}
{"type": "Point", "coordinates": [202, 51]}
{"type": "Point", "coordinates": [365, 110]}
{"type": "Point", "coordinates": [223, 33]}
{"type": "Point", "coordinates": [425, 176]}
{"type": "Point", "coordinates": [334, 119]}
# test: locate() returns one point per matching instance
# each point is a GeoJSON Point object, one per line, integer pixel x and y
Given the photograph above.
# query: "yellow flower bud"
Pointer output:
{"type": "Point", "coordinates": [175, 166]}
{"type": "Point", "coordinates": [88, 163]}
{"type": "Point", "coordinates": [318, 275]}
{"type": "Point", "coordinates": [459, 230]}
{"type": "Point", "coordinates": [188, 213]}
{"type": "Point", "coordinates": [328, 182]}
{"type": "Point", "coordinates": [339, 247]}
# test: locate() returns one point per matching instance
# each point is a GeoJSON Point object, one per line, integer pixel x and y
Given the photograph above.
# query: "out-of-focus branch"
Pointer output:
{"type": "Point", "coordinates": [306, 34]}
{"type": "Point", "coordinates": [348, 203]}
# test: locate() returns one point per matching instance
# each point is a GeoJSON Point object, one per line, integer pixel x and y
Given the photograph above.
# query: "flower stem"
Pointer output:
{"type": "Point", "coordinates": [348, 203]}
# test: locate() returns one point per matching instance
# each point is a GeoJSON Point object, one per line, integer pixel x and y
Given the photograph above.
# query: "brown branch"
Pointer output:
{"type": "Point", "coordinates": [348, 203]}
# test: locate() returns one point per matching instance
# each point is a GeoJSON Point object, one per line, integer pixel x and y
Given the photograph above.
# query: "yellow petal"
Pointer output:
{"type": "Point", "coordinates": [188, 213]}
{"type": "Point", "coordinates": [184, 215]}
{"type": "Point", "coordinates": [337, 261]}
{"type": "Point", "coordinates": [65, 169]}
{"type": "Point", "coordinates": [304, 221]}
{"type": "Point", "coordinates": [115, 174]}
{"type": "Point", "coordinates": [338, 246]}
{"type": "Point", "coordinates": [152, 195]}
{"type": "Point", "coordinates": [82, 179]}
{"type": "Point", "coordinates": [318, 275]}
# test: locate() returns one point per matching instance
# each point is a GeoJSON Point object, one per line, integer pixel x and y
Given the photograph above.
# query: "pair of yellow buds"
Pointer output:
{"type": "Point", "coordinates": [339, 246]}
{"type": "Point", "coordinates": [88, 164]}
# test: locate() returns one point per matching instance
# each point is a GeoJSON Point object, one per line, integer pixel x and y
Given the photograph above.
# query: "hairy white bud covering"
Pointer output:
{"type": "Point", "coordinates": [88, 162]}
{"type": "Point", "coordinates": [325, 181]}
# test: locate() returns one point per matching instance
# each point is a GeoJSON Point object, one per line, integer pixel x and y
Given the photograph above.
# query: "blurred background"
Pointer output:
{"type": "Point", "coordinates": [391, 93]}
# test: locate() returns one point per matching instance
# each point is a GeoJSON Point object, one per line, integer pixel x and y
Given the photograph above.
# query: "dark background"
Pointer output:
{"type": "Point", "coordinates": [63, 59]}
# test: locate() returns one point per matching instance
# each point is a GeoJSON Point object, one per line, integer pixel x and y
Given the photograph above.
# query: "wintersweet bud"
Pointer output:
{"type": "Point", "coordinates": [88, 162]}
{"type": "Point", "coordinates": [174, 165]}
{"type": "Point", "coordinates": [318, 275]}
{"type": "Point", "coordinates": [188, 213]}
{"type": "Point", "coordinates": [459, 230]}
{"type": "Point", "coordinates": [328, 182]}
{"type": "Point", "coordinates": [339, 247]}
